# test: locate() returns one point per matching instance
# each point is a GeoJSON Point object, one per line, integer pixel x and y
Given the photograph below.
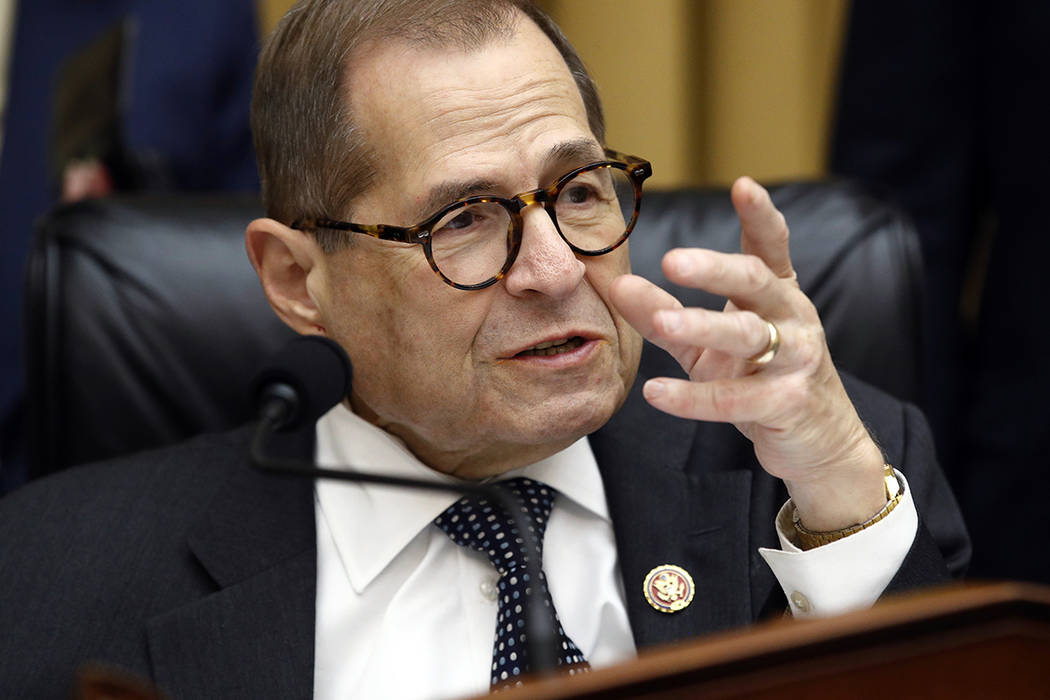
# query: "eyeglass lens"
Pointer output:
{"type": "Point", "coordinates": [470, 244]}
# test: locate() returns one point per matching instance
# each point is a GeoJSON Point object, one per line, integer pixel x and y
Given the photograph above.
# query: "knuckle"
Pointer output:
{"type": "Point", "coordinates": [781, 236]}
{"type": "Point", "coordinates": [812, 352]}
{"type": "Point", "coordinates": [723, 399]}
{"type": "Point", "coordinates": [693, 322]}
{"type": "Point", "coordinates": [812, 346]}
{"type": "Point", "coordinates": [780, 226]}
{"type": "Point", "coordinates": [753, 329]}
{"type": "Point", "coordinates": [717, 269]}
{"type": "Point", "coordinates": [805, 308]}
{"type": "Point", "coordinates": [795, 390]}
{"type": "Point", "coordinates": [678, 401]}
{"type": "Point", "coordinates": [756, 274]}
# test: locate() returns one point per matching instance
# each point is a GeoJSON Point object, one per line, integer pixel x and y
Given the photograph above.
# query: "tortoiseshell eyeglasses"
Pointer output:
{"type": "Point", "coordinates": [472, 243]}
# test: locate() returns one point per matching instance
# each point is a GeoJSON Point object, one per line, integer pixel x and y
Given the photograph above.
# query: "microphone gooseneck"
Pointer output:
{"type": "Point", "coordinates": [302, 382]}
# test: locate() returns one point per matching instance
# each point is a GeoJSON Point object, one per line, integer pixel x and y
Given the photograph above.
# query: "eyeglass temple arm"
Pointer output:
{"type": "Point", "coordinates": [383, 232]}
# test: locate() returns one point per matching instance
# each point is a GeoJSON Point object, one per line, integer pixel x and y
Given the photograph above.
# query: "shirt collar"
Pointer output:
{"type": "Point", "coordinates": [372, 524]}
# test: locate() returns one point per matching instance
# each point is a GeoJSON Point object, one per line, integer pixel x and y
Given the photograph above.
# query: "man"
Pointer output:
{"type": "Point", "coordinates": [485, 347]}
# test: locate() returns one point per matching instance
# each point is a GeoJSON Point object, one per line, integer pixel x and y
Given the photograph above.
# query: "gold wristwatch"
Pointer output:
{"type": "Point", "coordinates": [894, 493]}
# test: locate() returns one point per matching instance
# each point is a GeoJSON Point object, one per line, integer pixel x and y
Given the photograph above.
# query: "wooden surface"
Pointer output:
{"type": "Point", "coordinates": [966, 641]}
{"type": "Point", "coordinates": [974, 640]}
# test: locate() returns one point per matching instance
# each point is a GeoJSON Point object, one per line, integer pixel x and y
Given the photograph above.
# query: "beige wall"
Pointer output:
{"type": "Point", "coordinates": [270, 11]}
{"type": "Point", "coordinates": [707, 89]}
{"type": "Point", "coordinates": [712, 89]}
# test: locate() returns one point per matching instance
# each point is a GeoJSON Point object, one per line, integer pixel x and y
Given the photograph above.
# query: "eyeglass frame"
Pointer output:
{"type": "Point", "coordinates": [637, 169]}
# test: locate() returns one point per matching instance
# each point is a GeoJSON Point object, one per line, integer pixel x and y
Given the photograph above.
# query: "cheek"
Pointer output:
{"type": "Point", "coordinates": [412, 345]}
{"type": "Point", "coordinates": [601, 272]}
{"type": "Point", "coordinates": [365, 314]}
{"type": "Point", "coordinates": [630, 351]}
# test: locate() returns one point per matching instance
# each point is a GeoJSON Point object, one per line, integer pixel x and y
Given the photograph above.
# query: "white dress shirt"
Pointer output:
{"type": "Point", "coordinates": [403, 612]}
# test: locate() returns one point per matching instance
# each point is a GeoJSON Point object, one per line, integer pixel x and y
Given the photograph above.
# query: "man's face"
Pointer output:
{"type": "Point", "coordinates": [451, 371]}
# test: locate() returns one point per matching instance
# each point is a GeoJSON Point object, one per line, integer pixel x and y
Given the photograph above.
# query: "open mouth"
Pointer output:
{"type": "Point", "coordinates": [554, 347]}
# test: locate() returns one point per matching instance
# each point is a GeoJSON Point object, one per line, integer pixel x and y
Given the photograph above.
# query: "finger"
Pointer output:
{"type": "Point", "coordinates": [638, 300]}
{"type": "Point", "coordinates": [731, 400]}
{"type": "Point", "coordinates": [742, 334]}
{"type": "Point", "coordinates": [745, 279]}
{"type": "Point", "coordinates": [763, 229]}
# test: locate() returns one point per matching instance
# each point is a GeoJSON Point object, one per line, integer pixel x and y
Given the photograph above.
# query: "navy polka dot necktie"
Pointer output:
{"type": "Point", "coordinates": [476, 523]}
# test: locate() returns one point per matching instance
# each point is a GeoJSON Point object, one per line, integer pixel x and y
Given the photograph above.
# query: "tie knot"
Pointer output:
{"type": "Point", "coordinates": [476, 522]}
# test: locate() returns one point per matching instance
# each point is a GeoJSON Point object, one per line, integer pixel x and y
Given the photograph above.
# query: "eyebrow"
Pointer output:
{"type": "Point", "coordinates": [578, 152]}
{"type": "Point", "coordinates": [447, 192]}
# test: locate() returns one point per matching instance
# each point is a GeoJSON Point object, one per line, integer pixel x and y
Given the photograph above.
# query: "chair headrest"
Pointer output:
{"type": "Point", "coordinates": [146, 321]}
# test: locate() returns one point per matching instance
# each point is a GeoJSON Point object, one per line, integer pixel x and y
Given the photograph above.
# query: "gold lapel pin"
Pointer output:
{"type": "Point", "coordinates": [669, 588]}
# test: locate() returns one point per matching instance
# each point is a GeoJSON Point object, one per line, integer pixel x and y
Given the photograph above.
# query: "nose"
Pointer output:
{"type": "Point", "coordinates": [545, 262]}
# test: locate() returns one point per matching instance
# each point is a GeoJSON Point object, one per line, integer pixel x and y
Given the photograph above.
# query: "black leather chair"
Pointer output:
{"type": "Point", "coordinates": [146, 321]}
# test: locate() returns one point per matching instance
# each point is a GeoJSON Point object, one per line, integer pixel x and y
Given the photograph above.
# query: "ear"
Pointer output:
{"type": "Point", "coordinates": [285, 259]}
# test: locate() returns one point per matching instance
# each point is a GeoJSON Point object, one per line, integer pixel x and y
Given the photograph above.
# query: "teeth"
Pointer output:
{"type": "Point", "coordinates": [549, 344]}
{"type": "Point", "coordinates": [555, 347]}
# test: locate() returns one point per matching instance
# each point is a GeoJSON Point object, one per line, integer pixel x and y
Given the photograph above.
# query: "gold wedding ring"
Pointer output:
{"type": "Point", "coordinates": [766, 355]}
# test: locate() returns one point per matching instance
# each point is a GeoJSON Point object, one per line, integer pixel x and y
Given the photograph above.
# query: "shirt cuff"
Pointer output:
{"type": "Point", "coordinates": [846, 574]}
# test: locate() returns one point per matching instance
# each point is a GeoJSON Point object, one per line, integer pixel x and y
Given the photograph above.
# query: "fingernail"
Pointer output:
{"type": "Point", "coordinates": [670, 321]}
{"type": "Point", "coordinates": [653, 389]}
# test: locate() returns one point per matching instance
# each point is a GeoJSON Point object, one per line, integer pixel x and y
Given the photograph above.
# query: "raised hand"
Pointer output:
{"type": "Point", "coordinates": [788, 399]}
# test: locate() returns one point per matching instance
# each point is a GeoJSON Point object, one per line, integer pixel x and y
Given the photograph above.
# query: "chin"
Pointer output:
{"type": "Point", "coordinates": [567, 421]}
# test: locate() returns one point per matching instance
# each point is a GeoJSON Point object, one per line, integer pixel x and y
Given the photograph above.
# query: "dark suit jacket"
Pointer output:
{"type": "Point", "coordinates": [187, 566]}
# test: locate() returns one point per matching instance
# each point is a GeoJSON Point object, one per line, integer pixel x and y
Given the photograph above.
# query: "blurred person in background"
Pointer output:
{"type": "Point", "coordinates": [108, 97]}
{"type": "Point", "coordinates": [943, 108]}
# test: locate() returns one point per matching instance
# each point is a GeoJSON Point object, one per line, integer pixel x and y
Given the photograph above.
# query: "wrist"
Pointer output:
{"type": "Point", "coordinates": [808, 539]}
{"type": "Point", "coordinates": [848, 494]}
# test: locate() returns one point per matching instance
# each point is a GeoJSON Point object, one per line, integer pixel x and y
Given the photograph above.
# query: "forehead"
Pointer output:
{"type": "Point", "coordinates": [497, 111]}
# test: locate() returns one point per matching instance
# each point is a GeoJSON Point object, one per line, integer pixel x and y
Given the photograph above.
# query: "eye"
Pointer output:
{"type": "Point", "coordinates": [586, 190]}
{"type": "Point", "coordinates": [578, 193]}
{"type": "Point", "coordinates": [461, 221]}
{"type": "Point", "coordinates": [472, 220]}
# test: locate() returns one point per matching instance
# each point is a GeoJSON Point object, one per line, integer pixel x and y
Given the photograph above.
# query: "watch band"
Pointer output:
{"type": "Point", "coordinates": [810, 539]}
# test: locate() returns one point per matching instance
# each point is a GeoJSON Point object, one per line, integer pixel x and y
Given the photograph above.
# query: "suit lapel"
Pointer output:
{"type": "Point", "coordinates": [665, 513]}
{"type": "Point", "coordinates": [254, 637]}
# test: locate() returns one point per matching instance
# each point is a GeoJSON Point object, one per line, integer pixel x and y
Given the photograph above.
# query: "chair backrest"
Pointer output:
{"type": "Point", "coordinates": [146, 322]}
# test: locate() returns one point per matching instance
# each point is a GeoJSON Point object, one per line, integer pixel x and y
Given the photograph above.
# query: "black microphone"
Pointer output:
{"type": "Point", "coordinates": [301, 383]}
